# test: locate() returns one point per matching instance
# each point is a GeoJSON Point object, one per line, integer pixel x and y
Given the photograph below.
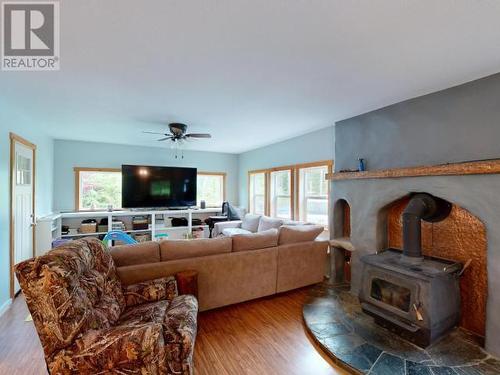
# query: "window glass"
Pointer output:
{"type": "Point", "coordinates": [313, 199]}
{"type": "Point", "coordinates": [100, 189]}
{"type": "Point", "coordinates": [281, 198]}
{"type": "Point", "coordinates": [210, 188]}
{"type": "Point", "coordinates": [257, 193]}
{"type": "Point", "coordinates": [391, 294]}
{"type": "Point", "coordinates": [23, 170]}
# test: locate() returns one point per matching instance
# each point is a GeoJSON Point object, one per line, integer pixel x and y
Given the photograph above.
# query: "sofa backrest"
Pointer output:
{"type": "Point", "coordinates": [254, 241]}
{"type": "Point", "coordinates": [181, 249]}
{"type": "Point", "coordinates": [141, 253]}
{"type": "Point", "coordinates": [299, 233]}
{"type": "Point", "coordinates": [71, 290]}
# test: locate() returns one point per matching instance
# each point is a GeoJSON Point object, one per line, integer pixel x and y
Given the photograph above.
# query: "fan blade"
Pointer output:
{"type": "Point", "coordinates": [199, 135]}
{"type": "Point", "coordinates": [148, 132]}
{"type": "Point", "coordinates": [164, 139]}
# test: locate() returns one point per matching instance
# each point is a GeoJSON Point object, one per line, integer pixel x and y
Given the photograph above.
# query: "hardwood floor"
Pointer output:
{"type": "Point", "coordinates": [20, 349]}
{"type": "Point", "coordinates": [262, 337]}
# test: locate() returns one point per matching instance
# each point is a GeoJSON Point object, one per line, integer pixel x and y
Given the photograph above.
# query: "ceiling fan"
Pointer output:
{"type": "Point", "coordinates": [178, 133]}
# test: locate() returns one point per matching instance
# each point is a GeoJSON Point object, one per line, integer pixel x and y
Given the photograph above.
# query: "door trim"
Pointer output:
{"type": "Point", "coordinates": [14, 138]}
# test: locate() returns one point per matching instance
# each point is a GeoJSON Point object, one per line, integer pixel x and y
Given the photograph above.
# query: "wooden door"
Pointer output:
{"type": "Point", "coordinates": [22, 203]}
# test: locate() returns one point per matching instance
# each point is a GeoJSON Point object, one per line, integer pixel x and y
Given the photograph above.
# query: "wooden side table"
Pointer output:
{"type": "Point", "coordinates": [187, 282]}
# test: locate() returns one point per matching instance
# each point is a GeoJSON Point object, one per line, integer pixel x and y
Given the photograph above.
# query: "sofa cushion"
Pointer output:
{"type": "Point", "coordinates": [299, 233]}
{"type": "Point", "coordinates": [229, 232]}
{"type": "Point", "coordinates": [124, 349]}
{"type": "Point", "coordinates": [141, 253]}
{"type": "Point", "coordinates": [254, 241]}
{"type": "Point", "coordinates": [181, 249]}
{"type": "Point", "coordinates": [250, 222]}
{"type": "Point", "coordinates": [266, 223]}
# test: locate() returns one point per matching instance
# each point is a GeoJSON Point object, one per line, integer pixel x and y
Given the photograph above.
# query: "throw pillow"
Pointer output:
{"type": "Point", "coordinates": [250, 222]}
{"type": "Point", "coordinates": [299, 233]}
{"type": "Point", "coordinates": [266, 223]}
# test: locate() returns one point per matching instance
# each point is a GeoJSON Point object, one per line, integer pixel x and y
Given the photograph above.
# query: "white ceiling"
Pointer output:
{"type": "Point", "coordinates": [251, 72]}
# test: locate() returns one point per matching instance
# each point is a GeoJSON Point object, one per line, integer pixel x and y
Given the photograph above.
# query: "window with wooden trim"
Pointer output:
{"type": "Point", "coordinates": [98, 188]}
{"type": "Point", "coordinates": [313, 194]}
{"type": "Point", "coordinates": [281, 195]}
{"type": "Point", "coordinates": [211, 188]}
{"type": "Point", "coordinates": [257, 192]}
{"type": "Point", "coordinates": [298, 192]}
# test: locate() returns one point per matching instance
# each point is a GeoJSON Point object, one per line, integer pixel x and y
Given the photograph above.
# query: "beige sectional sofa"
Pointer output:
{"type": "Point", "coordinates": [231, 269]}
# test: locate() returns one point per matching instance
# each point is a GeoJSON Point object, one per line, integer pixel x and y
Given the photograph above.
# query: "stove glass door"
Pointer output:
{"type": "Point", "coordinates": [391, 294]}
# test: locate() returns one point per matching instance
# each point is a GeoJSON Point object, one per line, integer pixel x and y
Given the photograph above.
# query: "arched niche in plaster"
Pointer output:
{"type": "Point", "coordinates": [341, 219]}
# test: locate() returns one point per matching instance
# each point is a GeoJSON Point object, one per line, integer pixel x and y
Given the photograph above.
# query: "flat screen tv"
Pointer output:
{"type": "Point", "coordinates": [158, 187]}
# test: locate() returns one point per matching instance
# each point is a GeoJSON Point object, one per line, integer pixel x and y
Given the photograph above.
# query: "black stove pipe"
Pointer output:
{"type": "Point", "coordinates": [421, 206]}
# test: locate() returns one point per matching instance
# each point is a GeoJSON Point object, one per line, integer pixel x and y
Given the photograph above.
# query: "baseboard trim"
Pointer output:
{"type": "Point", "coordinates": [5, 306]}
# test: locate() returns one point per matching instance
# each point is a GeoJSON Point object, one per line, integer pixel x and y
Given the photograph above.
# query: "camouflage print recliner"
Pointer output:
{"type": "Point", "coordinates": [88, 324]}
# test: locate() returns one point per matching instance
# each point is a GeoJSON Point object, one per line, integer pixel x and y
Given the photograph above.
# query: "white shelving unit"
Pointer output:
{"type": "Point", "coordinates": [49, 227]}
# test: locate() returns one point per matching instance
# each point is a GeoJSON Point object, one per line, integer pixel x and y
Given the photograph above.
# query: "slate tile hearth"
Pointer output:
{"type": "Point", "coordinates": [334, 318]}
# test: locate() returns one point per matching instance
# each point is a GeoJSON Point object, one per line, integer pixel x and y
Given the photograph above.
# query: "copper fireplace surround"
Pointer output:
{"type": "Point", "coordinates": [416, 296]}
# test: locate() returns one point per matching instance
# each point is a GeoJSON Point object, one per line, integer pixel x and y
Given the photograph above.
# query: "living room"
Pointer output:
{"type": "Point", "coordinates": [250, 187]}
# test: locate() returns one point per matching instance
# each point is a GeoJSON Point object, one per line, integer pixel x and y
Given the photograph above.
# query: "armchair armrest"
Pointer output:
{"type": "Point", "coordinates": [180, 333]}
{"type": "Point", "coordinates": [127, 348]}
{"type": "Point", "coordinates": [219, 227]}
{"type": "Point", "coordinates": [164, 288]}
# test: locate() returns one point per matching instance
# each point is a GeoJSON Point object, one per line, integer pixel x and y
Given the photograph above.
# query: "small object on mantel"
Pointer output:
{"type": "Point", "coordinates": [361, 165]}
{"type": "Point", "coordinates": [342, 243]}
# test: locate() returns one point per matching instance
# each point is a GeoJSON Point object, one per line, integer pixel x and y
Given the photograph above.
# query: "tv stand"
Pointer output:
{"type": "Point", "coordinates": [49, 227]}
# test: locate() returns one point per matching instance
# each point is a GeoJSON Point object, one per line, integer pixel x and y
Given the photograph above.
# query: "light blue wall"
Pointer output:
{"type": "Point", "coordinates": [315, 146]}
{"type": "Point", "coordinates": [70, 154]}
{"type": "Point", "coordinates": [14, 120]}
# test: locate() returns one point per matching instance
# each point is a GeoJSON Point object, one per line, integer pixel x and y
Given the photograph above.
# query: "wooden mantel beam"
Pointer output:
{"type": "Point", "coordinates": [453, 169]}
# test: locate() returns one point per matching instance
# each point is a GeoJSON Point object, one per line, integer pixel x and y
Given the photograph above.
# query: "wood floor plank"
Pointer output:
{"type": "Point", "coordinates": [261, 337]}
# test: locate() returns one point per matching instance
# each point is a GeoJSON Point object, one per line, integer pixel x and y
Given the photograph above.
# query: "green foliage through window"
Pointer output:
{"type": "Point", "coordinates": [98, 190]}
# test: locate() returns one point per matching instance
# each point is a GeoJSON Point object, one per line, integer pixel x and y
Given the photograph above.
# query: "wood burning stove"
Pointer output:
{"type": "Point", "coordinates": [416, 297]}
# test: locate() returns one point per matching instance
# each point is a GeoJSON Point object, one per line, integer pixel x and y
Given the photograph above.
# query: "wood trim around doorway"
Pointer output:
{"type": "Point", "coordinates": [13, 139]}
